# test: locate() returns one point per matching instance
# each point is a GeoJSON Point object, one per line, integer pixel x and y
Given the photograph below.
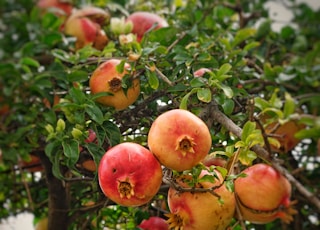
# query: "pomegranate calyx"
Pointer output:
{"type": "Point", "coordinates": [115, 84]}
{"type": "Point", "coordinates": [286, 213]}
{"type": "Point", "coordinates": [125, 189]}
{"type": "Point", "coordinates": [185, 145]}
{"type": "Point", "coordinates": [175, 221]}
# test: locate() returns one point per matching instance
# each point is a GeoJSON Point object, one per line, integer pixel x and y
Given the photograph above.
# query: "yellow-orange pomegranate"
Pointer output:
{"type": "Point", "coordinates": [263, 195]}
{"type": "Point", "coordinates": [106, 78]}
{"type": "Point", "coordinates": [201, 210]}
{"type": "Point", "coordinates": [179, 139]}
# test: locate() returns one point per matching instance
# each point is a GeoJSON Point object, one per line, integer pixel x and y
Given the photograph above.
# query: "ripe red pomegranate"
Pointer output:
{"type": "Point", "coordinates": [154, 223]}
{"type": "Point", "coordinates": [144, 21]}
{"type": "Point", "coordinates": [201, 210]}
{"type": "Point", "coordinates": [179, 139]}
{"type": "Point", "coordinates": [106, 78]}
{"type": "Point", "coordinates": [264, 195]}
{"type": "Point", "coordinates": [129, 174]}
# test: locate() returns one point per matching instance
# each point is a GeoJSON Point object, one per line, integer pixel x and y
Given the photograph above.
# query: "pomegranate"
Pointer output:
{"type": "Point", "coordinates": [106, 78]}
{"type": "Point", "coordinates": [129, 174]}
{"type": "Point", "coordinates": [284, 133]}
{"type": "Point", "coordinates": [33, 164]}
{"type": "Point", "coordinates": [57, 6]}
{"type": "Point", "coordinates": [144, 21]}
{"type": "Point", "coordinates": [200, 72]}
{"type": "Point", "coordinates": [154, 223]}
{"type": "Point", "coordinates": [271, 192]}
{"type": "Point", "coordinates": [85, 24]}
{"type": "Point", "coordinates": [179, 139]}
{"type": "Point", "coordinates": [201, 210]}
{"type": "Point", "coordinates": [212, 159]}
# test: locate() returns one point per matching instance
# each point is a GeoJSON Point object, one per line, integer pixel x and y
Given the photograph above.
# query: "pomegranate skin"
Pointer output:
{"type": "Point", "coordinates": [143, 21]}
{"type": "Point", "coordinates": [86, 25]}
{"type": "Point", "coordinates": [271, 192]}
{"type": "Point", "coordinates": [201, 210]}
{"type": "Point", "coordinates": [129, 174]}
{"type": "Point", "coordinates": [102, 81]}
{"type": "Point", "coordinates": [154, 223]}
{"type": "Point", "coordinates": [179, 139]}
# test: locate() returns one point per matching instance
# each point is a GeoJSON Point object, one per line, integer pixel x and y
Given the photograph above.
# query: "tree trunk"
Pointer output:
{"type": "Point", "coordinates": [58, 199]}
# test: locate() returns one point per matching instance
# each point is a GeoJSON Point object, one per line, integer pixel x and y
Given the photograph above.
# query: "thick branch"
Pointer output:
{"type": "Point", "coordinates": [220, 117]}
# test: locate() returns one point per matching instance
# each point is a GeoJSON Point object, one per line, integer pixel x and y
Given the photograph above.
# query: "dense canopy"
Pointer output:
{"type": "Point", "coordinates": [256, 89]}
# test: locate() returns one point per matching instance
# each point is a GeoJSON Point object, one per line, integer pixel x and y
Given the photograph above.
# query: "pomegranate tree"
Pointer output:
{"type": "Point", "coordinates": [129, 174]}
{"type": "Point", "coordinates": [106, 78]}
{"type": "Point", "coordinates": [179, 139]}
{"type": "Point", "coordinates": [263, 195]}
{"type": "Point", "coordinates": [211, 208]}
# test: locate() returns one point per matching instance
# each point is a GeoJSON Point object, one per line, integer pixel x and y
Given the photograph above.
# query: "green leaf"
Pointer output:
{"type": "Point", "coordinates": [77, 75]}
{"type": "Point", "coordinates": [113, 132]}
{"type": "Point", "coordinates": [222, 170]}
{"type": "Point", "coordinates": [225, 68]}
{"type": "Point", "coordinates": [289, 105]}
{"type": "Point", "coordinates": [152, 79]}
{"type": "Point", "coordinates": [184, 101]}
{"type": "Point", "coordinates": [207, 178]}
{"type": "Point", "coordinates": [248, 128]}
{"type": "Point", "coordinates": [255, 138]}
{"type": "Point", "coordinates": [251, 46]}
{"type": "Point", "coordinates": [204, 94]}
{"type": "Point", "coordinates": [71, 151]}
{"type": "Point", "coordinates": [56, 165]}
{"type": "Point", "coordinates": [94, 112]}
{"type": "Point", "coordinates": [98, 95]}
{"type": "Point", "coordinates": [226, 89]}
{"type": "Point", "coordinates": [197, 82]}
{"type": "Point", "coordinates": [246, 157]}
{"type": "Point", "coordinates": [240, 144]}
{"type": "Point", "coordinates": [228, 106]}
{"type": "Point", "coordinates": [261, 103]}
{"type": "Point", "coordinates": [30, 62]}
{"type": "Point", "coordinates": [243, 35]}
{"type": "Point", "coordinates": [51, 148]}
{"type": "Point", "coordinates": [77, 95]}
{"type": "Point", "coordinates": [313, 132]}
{"type": "Point", "coordinates": [120, 66]}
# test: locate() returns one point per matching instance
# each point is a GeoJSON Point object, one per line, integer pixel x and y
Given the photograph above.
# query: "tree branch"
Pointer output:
{"type": "Point", "coordinates": [220, 117]}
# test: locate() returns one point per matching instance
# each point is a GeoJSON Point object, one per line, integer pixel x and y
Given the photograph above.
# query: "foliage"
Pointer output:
{"type": "Point", "coordinates": [253, 70]}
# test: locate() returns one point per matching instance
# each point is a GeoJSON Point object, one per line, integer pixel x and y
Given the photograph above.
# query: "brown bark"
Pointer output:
{"type": "Point", "coordinates": [58, 199]}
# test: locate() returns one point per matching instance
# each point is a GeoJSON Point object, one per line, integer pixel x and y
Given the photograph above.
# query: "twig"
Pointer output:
{"type": "Point", "coordinates": [163, 77]}
{"type": "Point", "coordinates": [182, 35]}
{"type": "Point", "coordinates": [263, 154]}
